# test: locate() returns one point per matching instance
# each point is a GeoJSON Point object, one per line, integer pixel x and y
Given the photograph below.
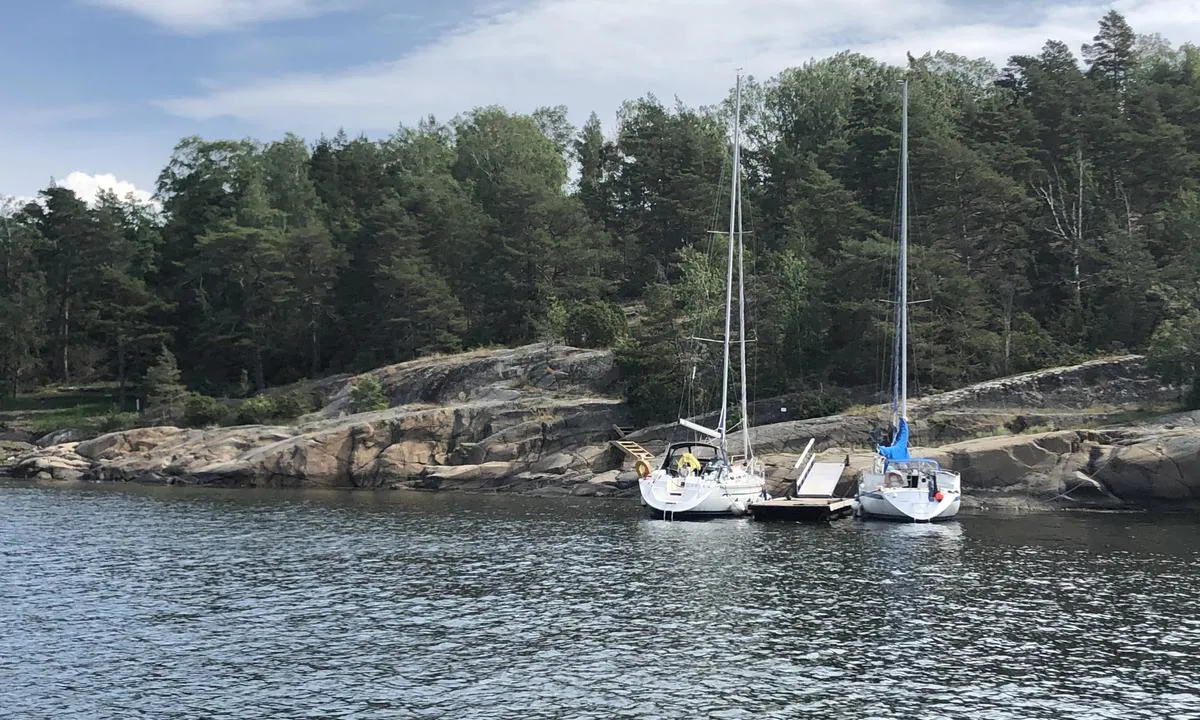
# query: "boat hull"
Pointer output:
{"type": "Point", "coordinates": [908, 505]}
{"type": "Point", "coordinates": [710, 495]}
{"type": "Point", "coordinates": [917, 503]}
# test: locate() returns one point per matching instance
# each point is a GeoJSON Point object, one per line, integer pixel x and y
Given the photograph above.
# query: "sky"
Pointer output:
{"type": "Point", "coordinates": [99, 91]}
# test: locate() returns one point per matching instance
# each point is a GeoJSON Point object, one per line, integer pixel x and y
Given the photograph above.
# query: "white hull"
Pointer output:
{"type": "Point", "coordinates": [879, 498]}
{"type": "Point", "coordinates": [726, 492]}
{"type": "Point", "coordinates": [908, 504]}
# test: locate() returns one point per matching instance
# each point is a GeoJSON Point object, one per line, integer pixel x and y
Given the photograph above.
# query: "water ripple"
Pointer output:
{"type": "Point", "coordinates": [177, 603]}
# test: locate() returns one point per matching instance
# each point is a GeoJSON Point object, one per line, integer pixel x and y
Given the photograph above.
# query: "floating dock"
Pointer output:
{"type": "Point", "coordinates": [811, 509]}
{"type": "Point", "coordinates": [813, 499]}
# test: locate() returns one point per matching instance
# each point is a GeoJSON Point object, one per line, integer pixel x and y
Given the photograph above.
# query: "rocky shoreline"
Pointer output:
{"type": "Point", "coordinates": [540, 420]}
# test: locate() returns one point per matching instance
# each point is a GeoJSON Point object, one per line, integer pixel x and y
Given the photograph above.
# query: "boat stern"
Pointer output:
{"type": "Point", "coordinates": [909, 504]}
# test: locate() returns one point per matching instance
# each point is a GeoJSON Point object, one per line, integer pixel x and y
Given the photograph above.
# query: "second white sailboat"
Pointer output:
{"type": "Point", "coordinates": [899, 486]}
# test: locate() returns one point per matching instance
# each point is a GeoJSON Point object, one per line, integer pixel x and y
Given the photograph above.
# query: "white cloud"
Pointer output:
{"type": "Point", "coordinates": [10, 204]}
{"type": "Point", "coordinates": [593, 54]}
{"type": "Point", "coordinates": [36, 154]}
{"type": "Point", "coordinates": [87, 187]}
{"type": "Point", "coordinates": [199, 16]}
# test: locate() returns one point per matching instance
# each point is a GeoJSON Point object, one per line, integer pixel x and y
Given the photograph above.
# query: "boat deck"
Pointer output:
{"type": "Point", "coordinates": [802, 508]}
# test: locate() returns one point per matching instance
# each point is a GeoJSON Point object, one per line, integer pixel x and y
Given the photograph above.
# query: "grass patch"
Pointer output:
{"type": "Point", "coordinates": [865, 411]}
{"type": "Point", "coordinates": [473, 353]}
{"type": "Point", "coordinates": [94, 408]}
{"type": "Point", "coordinates": [86, 407]}
{"type": "Point", "coordinates": [1128, 417]}
{"type": "Point", "coordinates": [60, 398]}
{"type": "Point", "coordinates": [959, 426]}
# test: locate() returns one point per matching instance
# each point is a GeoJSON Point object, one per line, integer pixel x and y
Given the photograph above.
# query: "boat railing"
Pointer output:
{"type": "Point", "coordinates": [883, 464]}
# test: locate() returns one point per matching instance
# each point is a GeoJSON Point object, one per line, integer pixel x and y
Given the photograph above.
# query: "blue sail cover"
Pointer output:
{"type": "Point", "coordinates": [898, 450]}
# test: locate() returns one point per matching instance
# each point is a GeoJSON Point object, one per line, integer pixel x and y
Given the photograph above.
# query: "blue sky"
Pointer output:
{"type": "Point", "coordinates": [98, 91]}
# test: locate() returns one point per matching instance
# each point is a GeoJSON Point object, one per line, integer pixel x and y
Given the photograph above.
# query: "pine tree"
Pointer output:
{"type": "Point", "coordinates": [22, 301]}
{"type": "Point", "coordinates": [1110, 57]}
{"type": "Point", "coordinates": [163, 387]}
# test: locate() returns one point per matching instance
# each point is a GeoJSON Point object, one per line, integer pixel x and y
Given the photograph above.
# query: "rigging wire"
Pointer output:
{"type": "Point", "coordinates": [887, 367]}
{"type": "Point", "coordinates": [698, 383]}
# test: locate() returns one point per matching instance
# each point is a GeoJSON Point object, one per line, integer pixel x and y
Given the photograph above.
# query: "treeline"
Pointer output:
{"type": "Point", "coordinates": [1054, 215]}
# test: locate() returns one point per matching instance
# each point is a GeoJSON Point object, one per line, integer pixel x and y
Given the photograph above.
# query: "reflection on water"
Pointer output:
{"type": "Point", "coordinates": [178, 602]}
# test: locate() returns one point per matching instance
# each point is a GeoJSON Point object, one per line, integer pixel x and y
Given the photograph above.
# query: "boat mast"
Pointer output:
{"type": "Point", "coordinates": [733, 208]}
{"type": "Point", "coordinates": [903, 277]}
{"type": "Point", "coordinates": [742, 302]}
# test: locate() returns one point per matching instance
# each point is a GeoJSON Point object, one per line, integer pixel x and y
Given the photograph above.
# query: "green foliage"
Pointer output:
{"type": "Point", "coordinates": [819, 402]}
{"type": "Point", "coordinates": [367, 394]}
{"type": "Point", "coordinates": [666, 180]}
{"type": "Point", "coordinates": [593, 324]}
{"type": "Point", "coordinates": [256, 410]}
{"type": "Point", "coordinates": [165, 393]}
{"type": "Point", "coordinates": [554, 324]}
{"type": "Point", "coordinates": [1174, 348]}
{"type": "Point", "coordinates": [115, 421]}
{"type": "Point", "coordinates": [650, 360]}
{"type": "Point", "coordinates": [22, 299]}
{"type": "Point", "coordinates": [1054, 215]}
{"type": "Point", "coordinates": [293, 404]}
{"type": "Point", "coordinates": [413, 303]}
{"type": "Point", "coordinates": [90, 408]}
{"type": "Point", "coordinates": [202, 411]}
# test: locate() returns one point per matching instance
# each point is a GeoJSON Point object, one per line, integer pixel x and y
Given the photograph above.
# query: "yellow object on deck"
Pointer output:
{"type": "Point", "coordinates": [688, 463]}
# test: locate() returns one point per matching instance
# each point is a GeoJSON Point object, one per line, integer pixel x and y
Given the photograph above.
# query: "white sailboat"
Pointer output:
{"type": "Point", "coordinates": [899, 486]}
{"type": "Point", "coordinates": [700, 478]}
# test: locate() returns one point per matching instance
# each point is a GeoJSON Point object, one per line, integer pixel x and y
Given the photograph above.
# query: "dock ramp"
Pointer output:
{"type": "Point", "coordinates": [821, 480]}
{"type": "Point", "coordinates": [637, 452]}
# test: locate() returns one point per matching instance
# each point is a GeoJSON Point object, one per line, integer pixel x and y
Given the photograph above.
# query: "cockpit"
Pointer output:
{"type": "Point", "coordinates": [705, 453]}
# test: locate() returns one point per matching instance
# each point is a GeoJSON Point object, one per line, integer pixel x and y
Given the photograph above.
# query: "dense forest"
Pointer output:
{"type": "Point", "coordinates": [1054, 215]}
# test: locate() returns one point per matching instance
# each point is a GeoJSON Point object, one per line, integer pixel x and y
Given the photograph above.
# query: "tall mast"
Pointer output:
{"type": "Point", "coordinates": [742, 323]}
{"type": "Point", "coordinates": [903, 278]}
{"type": "Point", "coordinates": [733, 207]}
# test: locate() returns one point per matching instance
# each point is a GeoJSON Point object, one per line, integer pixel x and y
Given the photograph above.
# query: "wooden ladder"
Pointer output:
{"type": "Point", "coordinates": [634, 450]}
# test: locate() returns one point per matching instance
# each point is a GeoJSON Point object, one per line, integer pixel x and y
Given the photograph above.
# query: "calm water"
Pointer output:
{"type": "Point", "coordinates": [178, 603]}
